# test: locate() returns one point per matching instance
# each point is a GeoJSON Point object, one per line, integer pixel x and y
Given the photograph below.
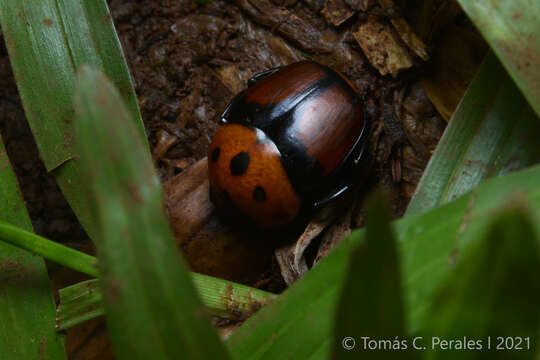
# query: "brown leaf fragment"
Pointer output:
{"type": "Point", "coordinates": [284, 2]}
{"type": "Point", "coordinates": [336, 12]}
{"type": "Point", "coordinates": [164, 143]}
{"type": "Point", "coordinates": [289, 270]}
{"type": "Point", "coordinates": [230, 77]}
{"type": "Point", "coordinates": [457, 57]}
{"type": "Point", "coordinates": [382, 50]}
{"type": "Point", "coordinates": [410, 38]}
{"type": "Point", "coordinates": [315, 5]}
{"type": "Point", "coordinates": [179, 186]}
{"type": "Point", "coordinates": [364, 5]}
{"type": "Point", "coordinates": [291, 260]}
{"type": "Point", "coordinates": [405, 32]}
{"type": "Point", "coordinates": [333, 236]}
{"type": "Point", "coordinates": [187, 109]}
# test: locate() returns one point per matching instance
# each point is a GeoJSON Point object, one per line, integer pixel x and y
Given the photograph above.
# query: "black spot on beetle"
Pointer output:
{"type": "Point", "coordinates": [259, 194]}
{"type": "Point", "coordinates": [215, 154]}
{"type": "Point", "coordinates": [239, 163]}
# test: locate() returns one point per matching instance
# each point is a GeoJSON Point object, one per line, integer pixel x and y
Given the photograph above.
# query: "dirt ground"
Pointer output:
{"type": "Point", "coordinates": [188, 60]}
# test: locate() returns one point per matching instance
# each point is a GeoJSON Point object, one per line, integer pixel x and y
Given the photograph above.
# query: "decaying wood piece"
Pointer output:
{"type": "Point", "coordinates": [287, 24]}
{"type": "Point", "coordinates": [383, 51]}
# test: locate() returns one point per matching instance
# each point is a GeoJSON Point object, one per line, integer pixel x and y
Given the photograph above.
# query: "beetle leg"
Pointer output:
{"type": "Point", "coordinates": [225, 114]}
{"type": "Point", "coordinates": [359, 155]}
{"type": "Point", "coordinates": [331, 197]}
{"type": "Point", "coordinates": [261, 75]}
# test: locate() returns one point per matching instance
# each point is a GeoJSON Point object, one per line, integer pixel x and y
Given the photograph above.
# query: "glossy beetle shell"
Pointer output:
{"type": "Point", "coordinates": [290, 143]}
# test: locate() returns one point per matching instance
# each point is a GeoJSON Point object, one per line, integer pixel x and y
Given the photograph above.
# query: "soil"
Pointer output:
{"type": "Point", "coordinates": [187, 62]}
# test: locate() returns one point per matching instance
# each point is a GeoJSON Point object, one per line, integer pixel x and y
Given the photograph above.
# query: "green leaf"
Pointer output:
{"type": "Point", "coordinates": [493, 293]}
{"type": "Point", "coordinates": [47, 41]}
{"type": "Point", "coordinates": [79, 303]}
{"type": "Point", "coordinates": [50, 250]}
{"type": "Point", "coordinates": [493, 132]}
{"type": "Point", "coordinates": [299, 322]}
{"type": "Point", "coordinates": [27, 311]}
{"type": "Point", "coordinates": [147, 289]}
{"type": "Point", "coordinates": [371, 304]}
{"type": "Point", "coordinates": [511, 28]}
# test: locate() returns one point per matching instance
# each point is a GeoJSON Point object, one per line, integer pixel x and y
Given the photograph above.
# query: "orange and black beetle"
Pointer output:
{"type": "Point", "coordinates": [291, 142]}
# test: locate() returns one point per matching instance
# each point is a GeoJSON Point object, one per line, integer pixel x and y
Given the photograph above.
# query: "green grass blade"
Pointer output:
{"type": "Point", "coordinates": [371, 303]}
{"type": "Point", "coordinates": [511, 28]}
{"type": "Point", "coordinates": [492, 132]}
{"type": "Point", "coordinates": [227, 300]}
{"type": "Point", "coordinates": [230, 300]}
{"type": "Point", "coordinates": [299, 322]}
{"type": "Point", "coordinates": [79, 303]}
{"type": "Point", "coordinates": [494, 292]}
{"type": "Point", "coordinates": [50, 250]}
{"type": "Point", "coordinates": [147, 289]}
{"type": "Point", "coordinates": [47, 41]}
{"type": "Point", "coordinates": [27, 311]}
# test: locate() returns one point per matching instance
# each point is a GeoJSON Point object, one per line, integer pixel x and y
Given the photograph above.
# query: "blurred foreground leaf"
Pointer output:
{"type": "Point", "coordinates": [47, 41]}
{"type": "Point", "coordinates": [494, 292]}
{"type": "Point", "coordinates": [493, 132]}
{"type": "Point", "coordinates": [27, 310]}
{"type": "Point", "coordinates": [511, 28]}
{"type": "Point", "coordinates": [299, 322]}
{"type": "Point", "coordinates": [152, 308]}
{"type": "Point", "coordinates": [371, 303]}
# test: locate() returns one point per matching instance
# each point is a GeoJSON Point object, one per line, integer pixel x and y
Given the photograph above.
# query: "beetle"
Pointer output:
{"type": "Point", "coordinates": [288, 144]}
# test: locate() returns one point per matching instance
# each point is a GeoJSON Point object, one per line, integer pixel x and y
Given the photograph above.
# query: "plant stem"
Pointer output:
{"type": "Point", "coordinates": [48, 249]}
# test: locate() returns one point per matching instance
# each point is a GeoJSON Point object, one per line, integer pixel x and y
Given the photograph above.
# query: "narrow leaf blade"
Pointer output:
{"type": "Point", "coordinates": [47, 41]}
{"type": "Point", "coordinates": [511, 28]}
{"type": "Point", "coordinates": [371, 304]}
{"type": "Point", "coordinates": [492, 132]}
{"type": "Point", "coordinates": [147, 290]}
{"type": "Point", "coordinates": [493, 293]}
{"type": "Point", "coordinates": [27, 311]}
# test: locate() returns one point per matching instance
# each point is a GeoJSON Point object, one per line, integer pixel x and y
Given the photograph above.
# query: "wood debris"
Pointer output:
{"type": "Point", "coordinates": [336, 12]}
{"type": "Point", "coordinates": [405, 32]}
{"type": "Point", "coordinates": [381, 48]}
